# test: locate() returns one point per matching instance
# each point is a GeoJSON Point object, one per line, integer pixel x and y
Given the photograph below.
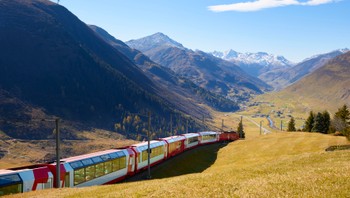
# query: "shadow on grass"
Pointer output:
{"type": "Point", "coordinates": [193, 161]}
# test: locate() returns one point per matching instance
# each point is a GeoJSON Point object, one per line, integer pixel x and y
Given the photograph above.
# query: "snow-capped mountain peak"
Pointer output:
{"type": "Point", "coordinates": [261, 58]}
{"type": "Point", "coordinates": [329, 54]}
{"type": "Point", "coordinates": [153, 41]}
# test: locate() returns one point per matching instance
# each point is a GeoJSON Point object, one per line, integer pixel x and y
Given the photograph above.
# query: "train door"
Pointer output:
{"type": "Point", "coordinates": [183, 144]}
{"type": "Point", "coordinates": [130, 163]}
{"type": "Point", "coordinates": [134, 154]}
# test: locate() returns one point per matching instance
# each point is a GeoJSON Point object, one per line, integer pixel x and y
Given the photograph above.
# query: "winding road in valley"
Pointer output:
{"type": "Point", "coordinates": [258, 125]}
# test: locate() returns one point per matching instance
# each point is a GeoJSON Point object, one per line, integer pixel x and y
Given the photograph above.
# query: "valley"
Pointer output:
{"type": "Point", "coordinates": [108, 93]}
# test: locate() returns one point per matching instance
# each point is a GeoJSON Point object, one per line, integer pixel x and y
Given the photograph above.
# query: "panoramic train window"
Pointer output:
{"type": "Point", "coordinates": [173, 146]}
{"type": "Point", "coordinates": [209, 137]}
{"type": "Point", "coordinates": [108, 167]}
{"type": "Point", "coordinates": [192, 140]}
{"type": "Point", "coordinates": [76, 165]}
{"type": "Point", "coordinates": [90, 172]}
{"type": "Point", "coordinates": [11, 189]}
{"type": "Point", "coordinates": [105, 157]}
{"type": "Point", "coordinates": [113, 155]}
{"type": "Point", "coordinates": [79, 176]}
{"type": "Point", "coordinates": [144, 155]}
{"type": "Point", "coordinates": [115, 164]}
{"type": "Point", "coordinates": [87, 162]}
{"type": "Point", "coordinates": [122, 162]}
{"type": "Point", "coordinates": [154, 152]}
{"type": "Point", "coordinates": [97, 159]}
{"type": "Point", "coordinates": [157, 151]}
{"type": "Point", "coordinates": [100, 170]}
{"type": "Point", "coordinates": [10, 184]}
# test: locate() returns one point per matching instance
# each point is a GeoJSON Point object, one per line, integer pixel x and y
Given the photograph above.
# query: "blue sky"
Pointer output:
{"type": "Point", "coordinates": [294, 29]}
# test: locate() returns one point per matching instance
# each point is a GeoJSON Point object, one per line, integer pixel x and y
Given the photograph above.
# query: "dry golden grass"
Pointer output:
{"type": "Point", "coordinates": [279, 164]}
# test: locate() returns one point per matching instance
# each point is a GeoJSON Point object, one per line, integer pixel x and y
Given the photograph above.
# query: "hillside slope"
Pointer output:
{"type": "Point", "coordinates": [52, 60]}
{"type": "Point", "coordinates": [327, 88]}
{"type": "Point", "coordinates": [184, 90]}
{"type": "Point", "coordinates": [328, 85]}
{"type": "Point", "coordinates": [282, 78]}
{"type": "Point", "coordinates": [275, 165]}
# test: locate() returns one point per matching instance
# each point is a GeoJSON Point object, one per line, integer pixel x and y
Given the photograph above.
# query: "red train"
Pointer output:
{"type": "Point", "coordinates": [104, 167]}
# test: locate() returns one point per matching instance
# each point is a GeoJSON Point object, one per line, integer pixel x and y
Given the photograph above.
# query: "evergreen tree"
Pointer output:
{"type": "Point", "coordinates": [343, 113]}
{"type": "Point", "coordinates": [326, 122]}
{"type": "Point", "coordinates": [341, 121]}
{"type": "Point", "coordinates": [309, 123]}
{"type": "Point", "coordinates": [241, 130]}
{"type": "Point", "coordinates": [319, 123]}
{"type": "Point", "coordinates": [291, 125]}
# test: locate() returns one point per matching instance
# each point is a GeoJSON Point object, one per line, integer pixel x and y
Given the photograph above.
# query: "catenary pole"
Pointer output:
{"type": "Point", "coordinates": [222, 125]}
{"type": "Point", "coordinates": [148, 148]}
{"type": "Point", "coordinates": [58, 158]}
{"type": "Point", "coordinates": [171, 124]}
{"type": "Point", "coordinates": [281, 126]}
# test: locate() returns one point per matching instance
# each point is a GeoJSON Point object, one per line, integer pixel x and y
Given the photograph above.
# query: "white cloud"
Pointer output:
{"type": "Point", "coordinates": [263, 4]}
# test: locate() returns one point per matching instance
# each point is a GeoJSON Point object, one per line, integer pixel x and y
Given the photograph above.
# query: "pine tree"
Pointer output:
{"type": "Point", "coordinates": [291, 125]}
{"type": "Point", "coordinates": [241, 130]}
{"type": "Point", "coordinates": [319, 123]}
{"type": "Point", "coordinates": [341, 121]}
{"type": "Point", "coordinates": [309, 123]}
{"type": "Point", "coordinates": [326, 122]}
{"type": "Point", "coordinates": [344, 114]}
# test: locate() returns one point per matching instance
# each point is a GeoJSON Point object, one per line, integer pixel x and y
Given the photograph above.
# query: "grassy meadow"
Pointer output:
{"type": "Point", "coordinates": [278, 164]}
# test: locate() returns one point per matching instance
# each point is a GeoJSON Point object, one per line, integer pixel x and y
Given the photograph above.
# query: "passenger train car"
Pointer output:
{"type": "Point", "coordinates": [176, 144]}
{"type": "Point", "coordinates": [25, 179]}
{"type": "Point", "coordinates": [98, 168]}
{"type": "Point", "coordinates": [104, 167]}
{"type": "Point", "coordinates": [158, 153]}
{"type": "Point", "coordinates": [191, 140]}
{"type": "Point", "coordinates": [208, 137]}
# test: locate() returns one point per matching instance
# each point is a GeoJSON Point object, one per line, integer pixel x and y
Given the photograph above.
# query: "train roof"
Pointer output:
{"type": "Point", "coordinates": [144, 145]}
{"type": "Point", "coordinates": [91, 155]}
{"type": "Point", "coordinates": [189, 135]}
{"type": "Point", "coordinates": [6, 171]}
{"type": "Point", "coordinates": [229, 132]}
{"type": "Point", "coordinates": [40, 167]}
{"type": "Point", "coordinates": [208, 133]}
{"type": "Point", "coordinates": [152, 142]}
{"type": "Point", "coordinates": [173, 138]}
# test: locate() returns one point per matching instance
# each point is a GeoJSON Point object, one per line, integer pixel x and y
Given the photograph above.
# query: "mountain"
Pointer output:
{"type": "Point", "coordinates": [185, 91]}
{"type": "Point", "coordinates": [254, 64]}
{"type": "Point", "coordinates": [327, 87]}
{"type": "Point", "coordinates": [54, 62]}
{"type": "Point", "coordinates": [157, 40]}
{"type": "Point", "coordinates": [205, 70]}
{"type": "Point", "coordinates": [280, 79]}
